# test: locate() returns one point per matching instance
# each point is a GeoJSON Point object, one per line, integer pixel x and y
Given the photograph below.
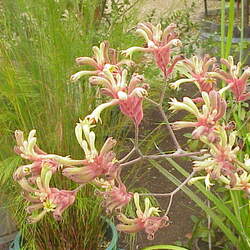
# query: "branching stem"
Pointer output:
{"type": "Point", "coordinates": [154, 157]}
{"type": "Point", "coordinates": [79, 187]}
{"type": "Point", "coordinates": [136, 144]}
{"type": "Point", "coordinates": [127, 155]}
{"type": "Point", "coordinates": [171, 194]}
{"type": "Point", "coordinates": [165, 118]}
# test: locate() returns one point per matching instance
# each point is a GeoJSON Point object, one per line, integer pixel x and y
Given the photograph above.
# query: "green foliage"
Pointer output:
{"type": "Point", "coordinates": [165, 247]}
{"type": "Point", "coordinates": [39, 42]}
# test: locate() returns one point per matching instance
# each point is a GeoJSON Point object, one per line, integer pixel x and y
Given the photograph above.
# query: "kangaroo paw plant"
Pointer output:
{"type": "Point", "coordinates": [217, 162]}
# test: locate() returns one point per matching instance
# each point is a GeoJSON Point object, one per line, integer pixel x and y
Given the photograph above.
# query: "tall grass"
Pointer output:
{"type": "Point", "coordinates": [39, 42]}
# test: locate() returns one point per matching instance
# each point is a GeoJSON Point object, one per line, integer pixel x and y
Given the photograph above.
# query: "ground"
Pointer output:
{"type": "Point", "coordinates": [162, 8]}
{"type": "Point", "coordinates": [182, 207]}
{"type": "Point", "coordinates": [149, 177]}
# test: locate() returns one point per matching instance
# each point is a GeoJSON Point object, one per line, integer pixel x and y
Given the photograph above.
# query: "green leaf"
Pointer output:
{"type": "Point", "coordinates": [166, 247]}
{"type": "Point", "coordinates": [188, 135]}
{"type": "Point", "coordinates": [242, 114]}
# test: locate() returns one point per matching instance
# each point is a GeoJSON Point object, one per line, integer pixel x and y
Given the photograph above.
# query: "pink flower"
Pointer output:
{"type": "Point", "coordinates": [104, 58]}
{"type": "Point", "coordinates": [28, 150]}
{"type": "Point", "coordinates": [129, 96]}
{"type": "Point", "coordinates": [96, 163]}
{"type": "Point", "coordinates": [100, 165]}
{"type": "Point", "coordinates": [132, 107]}
{"type": "Point", "coordinates": [147, 220]}
{"type": "Point", "coordinates": [236, 80]}
{"type": "Point", "coordinates": [197, 71]}
{"type": "Point", "coordinates": [62, 200]}
{"type": "Point", "coordinates": [213, 110]}
{"type": "Point", "coordinates": [46, 198]}
{"type": "Point", "coordinates": [159, 43]}
{"type": "Point", "coordinates": [223, 160]}
{"type": "Point", "coordinates": [115, 197]}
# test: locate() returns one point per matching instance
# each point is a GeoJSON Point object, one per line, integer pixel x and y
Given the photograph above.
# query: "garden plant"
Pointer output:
{"type": "Point", "coordinates": [221, 161]}
{"type": "Point", "coordinates": [38, 43]}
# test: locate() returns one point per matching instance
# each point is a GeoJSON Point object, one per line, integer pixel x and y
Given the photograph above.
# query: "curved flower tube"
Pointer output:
{"type": "Point", "coordinates": [213, 110]}
{"type": "Point", "coordinates": [197, 71]}
{"type": "Point", "coordinates": [160, 43]}
{"type": "Point", "coordinates": [146, 220]}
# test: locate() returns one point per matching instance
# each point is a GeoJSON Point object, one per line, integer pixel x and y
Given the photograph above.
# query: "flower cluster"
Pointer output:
{"type": "Point", "coordinates": [222, 160]}
{"type": "Point", "coordinates": [213, 110]}
{"type": "Point", "coordinates": [147, 220]}
{"type": "Point", "coordinates": [160, 44]}
{"type": "Point", "coordinates": [113, 80]}
{"type": "Point", "coordinates": [34, 178]}
{"type": "Point", "coordinates": [129, 96]}
{"type": "Point", "coordinates": [197, 71]}
{"type": "Point", "coordinates": [96, 163]}
{"type": "Point", "coordinates": [101, 168]}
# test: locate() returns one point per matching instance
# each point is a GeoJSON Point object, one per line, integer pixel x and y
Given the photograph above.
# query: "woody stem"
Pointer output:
{"type": "Point", "coordinates": [136, 144]}
{"type": "Point", "coordinates": [154, 157]}
{"type": "Point", "coordinates": [127, 155]}
{"type": "Point", "coordinates": [171, 194]}
{"type": "Point", "coordinates": [162, 95]}
{"type": "Point", "coordinates": [165, 118]}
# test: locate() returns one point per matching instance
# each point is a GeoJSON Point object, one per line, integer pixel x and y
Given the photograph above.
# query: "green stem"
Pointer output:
{"type": "Point", "coordinates": [241, 30]}
{"type": "Point", "coordinates": [165, 247]}
{"type": "Point", "coordinates": [230, 28]}
{"type": "Point", "coordinates": [222, 28]}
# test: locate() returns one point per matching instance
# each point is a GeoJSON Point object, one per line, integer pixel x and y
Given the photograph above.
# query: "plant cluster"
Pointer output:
{"type": "Point", "coordinates": [218, 161]}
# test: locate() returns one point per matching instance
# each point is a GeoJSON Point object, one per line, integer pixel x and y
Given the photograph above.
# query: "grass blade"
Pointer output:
{"type": "Point", "coordinates": [224, 228]}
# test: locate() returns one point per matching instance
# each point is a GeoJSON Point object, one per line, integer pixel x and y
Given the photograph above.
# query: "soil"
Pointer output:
{"type": "Point", "coordinates": [179, 214]}
{"type": "Point", "coordinates": [183, 208]}
{"type": "Point", "coordinates": [162, 8]}
{"type": "Point", "coordinates": [149, 177]}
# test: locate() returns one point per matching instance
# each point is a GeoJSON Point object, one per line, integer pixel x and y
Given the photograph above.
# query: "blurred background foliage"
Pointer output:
{"type": "Point", "coordinates": [39, 42]}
